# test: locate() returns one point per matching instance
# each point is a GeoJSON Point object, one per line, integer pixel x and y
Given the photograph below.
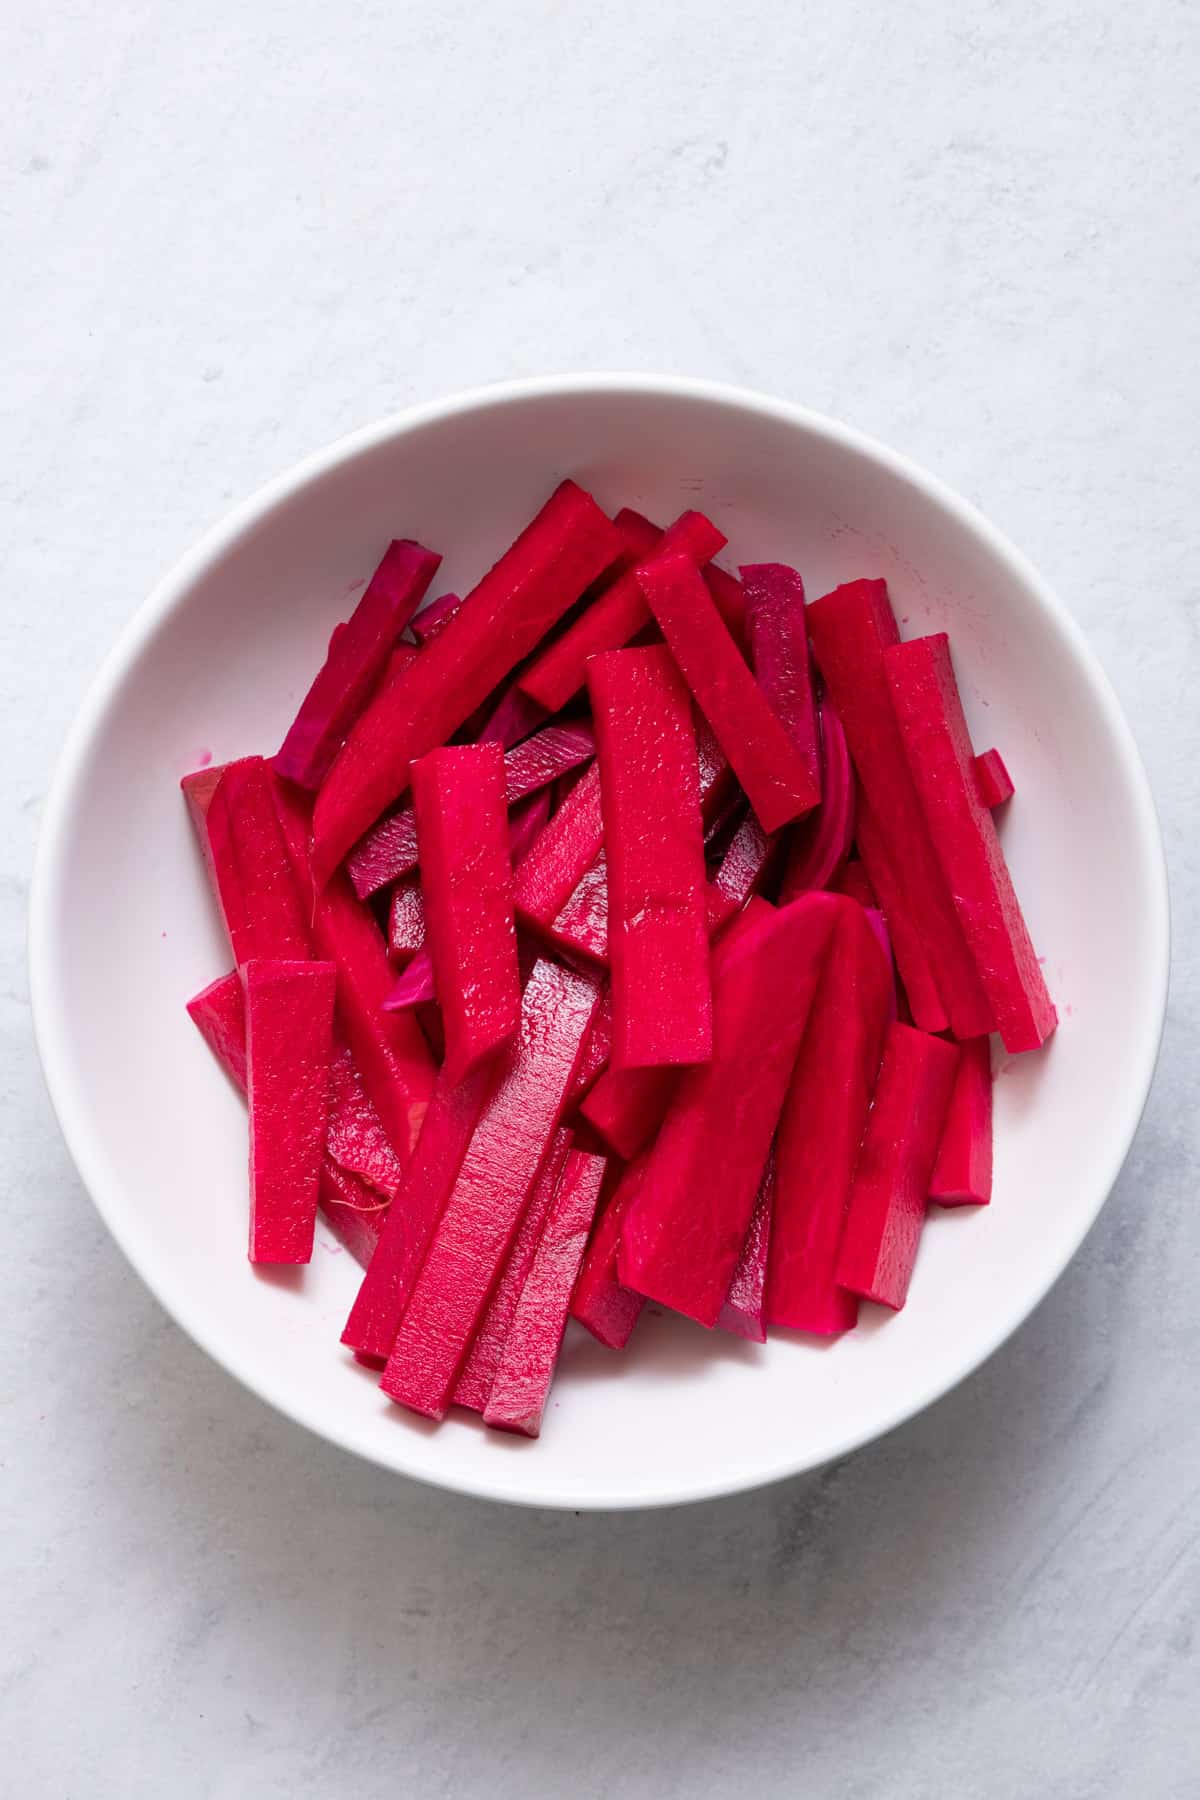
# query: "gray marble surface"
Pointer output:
{"type": "Point", "coordinates": [232, 232]}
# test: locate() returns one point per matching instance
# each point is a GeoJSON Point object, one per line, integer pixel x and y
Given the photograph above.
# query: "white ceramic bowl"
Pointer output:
{"type": "Point", "coordinates": [123, 930]}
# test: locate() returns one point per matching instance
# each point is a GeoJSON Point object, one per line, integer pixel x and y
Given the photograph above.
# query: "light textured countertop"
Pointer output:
{"type": "Point", "coordinates": [231, 233]}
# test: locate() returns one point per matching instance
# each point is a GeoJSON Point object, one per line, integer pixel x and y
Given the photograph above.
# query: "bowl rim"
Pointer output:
{"type": "Point", "coordinates": [50, 1020]}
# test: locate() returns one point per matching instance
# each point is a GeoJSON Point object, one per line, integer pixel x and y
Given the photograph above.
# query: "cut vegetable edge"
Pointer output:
{"type": "Point", "coordinates": [886, 1209]}
{"type": "Point", "coordinates": [523, 1377]}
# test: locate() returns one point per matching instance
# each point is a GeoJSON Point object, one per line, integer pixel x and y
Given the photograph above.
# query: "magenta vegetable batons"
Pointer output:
{"type": "Point", "coordinates": [684, 1230]}
{"type": "Point", "coordinates": [289, 1030]}
{"type": "Point", "coordinates": [962, 1174]}
{"type": "Point", "coordinates": [778, 783]}
{"type": "Point", "coordinates": [654, 848]}
{"type": "Point", "coordinates": [519, 1389]}
{"type": "Point", "coordinates": [642, 900]}
{"type": "Point", "coordinates": [886, 1209]}
{"type": "Point", "coordinates": [780, 656]}
{"type": "Point", "coordinates": [466, 878]}
{"type": "Point", "coordinates": [486, 1204]}
{"type": "Point", "coordinates": [821, 1127]}
{"type": "Point", "coordinates": [358, 655]}
{"type": "Point", "coordinates": [389, 850]}
{"type": "Point", "coordinates": [938, 745]}
{"type": "Point", "coordinates": [616, 617]}
{"type": "Point", "coordinates": [566, 546]}
{"type": "Point", "coordinates": [851, 628]}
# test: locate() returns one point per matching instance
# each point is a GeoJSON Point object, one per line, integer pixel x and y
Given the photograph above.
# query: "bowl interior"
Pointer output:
{"type": "Point", "coordinates": [124, 930]}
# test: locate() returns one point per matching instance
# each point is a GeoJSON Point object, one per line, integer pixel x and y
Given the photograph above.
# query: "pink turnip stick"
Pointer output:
{"type": "Point", "coordinates": [654, 848]}
{"type": "Point", "coordinates": [599, 1301]}
{"type": "Point", "coordinates": [778, 784]}
{"type": "Point", "coordinates": [386, 1288]}
{"type": "Point", "coordinates": [851, 629]}
{"type": "Point", "coordinates": [357, 656]}
{"type": "Point", "coordinates": [566, 546]}
{"type": "Point", "coordinates": [484, 1210]}
{"type": "Point", "coordinates": [389, 851]}
{"type": "Point", "coordinates": [684, 1231]}
{"type": "Point", "coordinates": [615, 618]}
{"type": "Point", "coordinates": [886, 1208]}
{"type": "Point", "coordinates": [474, 1381]}
{"type": "Point", "coordinates": [780, 655]}
{"type": "Point", "coordinates": [289, 1028]}
{"type": "Point", "coordinates": [821, 1127]}
{"type": "Point", "coordinates": [434, 618]}
{"type": "Point", "coordinates": [938, 745]}
{"type": "Point", "coordinates": [389, 1048]}
{"type": "Point", "coordinates": [993, 780]}
{"type": "Point", "coordinates": [466, 877]}
{"type": "Point", "coordinates": [248, 861]}
{"type": "Point", "coordinates": [561, 855]}
{"type": "Point", "coordinates": [962, 1174]}
{"type": "Point", "coordinates": [522, 1380]}
{"type": "Point", "coordinates": [354, 1211]}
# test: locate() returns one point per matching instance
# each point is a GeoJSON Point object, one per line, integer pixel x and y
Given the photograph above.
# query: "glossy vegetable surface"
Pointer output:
{"type": "Point", "coordinates": [851, 630]}
{"type": "Point", "coordinates": [566, 546]}
{"type": "Point", "coordinates": [654, 848]}
{"type": "Point", "coordinates": [358, 655]}
{"type": "Point", "coordinates": [289, 1030]}
{"type": "Point", "coordinates": [929, 710]}
{"type": "Point", "coordinates": [466, 878]}
{"type": "Point", "coordinates": [517, 1399]}
{"type": "Point", "coordinates": [484, 1210]}
{"type": "Point", "coordinates": [779, 785]}
{"type": "Point", "coordinates": [683, 1233]}
{"type": "Point", "coordinates": [886, 1208]}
